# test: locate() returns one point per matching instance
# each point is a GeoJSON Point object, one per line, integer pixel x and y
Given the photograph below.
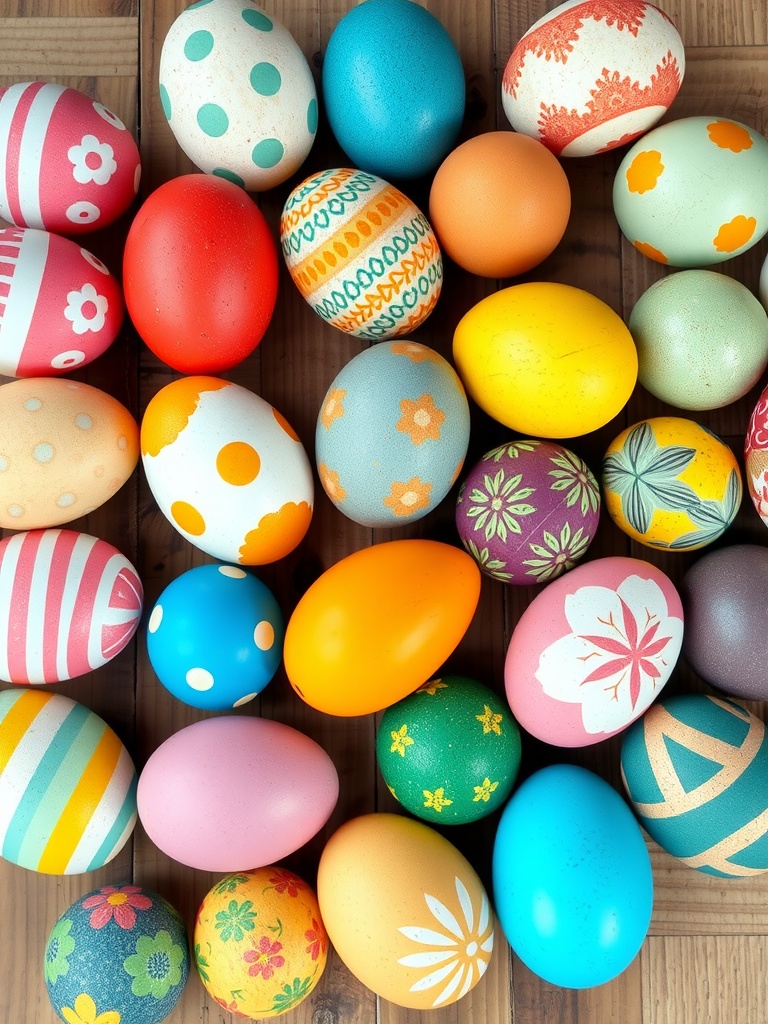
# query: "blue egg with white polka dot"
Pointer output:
{"type": "Point", "coordinates": [215, 636]}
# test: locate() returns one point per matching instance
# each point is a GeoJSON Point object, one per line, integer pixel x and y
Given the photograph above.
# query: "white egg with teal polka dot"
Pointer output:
{"type": "Point", "coordinates": [238, 93]}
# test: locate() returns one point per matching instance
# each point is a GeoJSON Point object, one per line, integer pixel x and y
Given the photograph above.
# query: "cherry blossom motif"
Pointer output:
{"type": "Point", "coordinates": [118, 904]}
{"type": "Point", "coordinates": [622, 650]}
{"type": "Point", "coordinates": [86, 309]}
{"type": "Point", "coordinates": [265, 958]}
{"type": "Point", "coordinates": [92, 161]}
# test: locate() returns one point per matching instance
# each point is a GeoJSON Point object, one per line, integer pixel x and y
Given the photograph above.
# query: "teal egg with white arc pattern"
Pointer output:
{"type": "Point", "coordinates": [238, 93]}
{"type": "Point", "coordinates": [392, 434]}
{"type": "Point", "coordinates": [118, 955]}
{"type": "Point", "coordinates": [695, 768]}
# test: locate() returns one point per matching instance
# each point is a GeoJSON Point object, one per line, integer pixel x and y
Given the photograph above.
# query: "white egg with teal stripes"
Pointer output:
{"type": "Point", "coordinates": [238, 93]}
{"type": "Point", "coordinates": [67, 785]}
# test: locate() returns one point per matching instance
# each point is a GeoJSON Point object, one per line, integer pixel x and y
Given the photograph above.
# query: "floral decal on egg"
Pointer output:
{"type": "Point", "coordinates": [92, 161]}
{"type": "Point", "coordinates": [756, 456]}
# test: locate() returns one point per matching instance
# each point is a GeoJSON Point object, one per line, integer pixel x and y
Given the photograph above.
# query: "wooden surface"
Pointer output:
{"type": "Point", "coordinates": [707, 952]}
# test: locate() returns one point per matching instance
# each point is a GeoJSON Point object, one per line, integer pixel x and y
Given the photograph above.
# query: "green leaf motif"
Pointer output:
{"type": "Point", "coordinates": [290, 995]}
{"type": "Point", "coordinates": [512, 450]}
{"type": "Point", "coordinates": [560, 554]}
{"type": "Point", "coordinates": [574, 476]}
{"type": "Point", "coordinates": [712, 517]}
{"type": "Point", "coordinates": [236, 920]}
{"type": "Point", "coordinates": [202, 962]}
{"type": "Point", "coordinates": [493, 566]}
{"type": "Point", "coordinates": [229, 884]}
{"type": "Point", "coordinates": [495, 509]}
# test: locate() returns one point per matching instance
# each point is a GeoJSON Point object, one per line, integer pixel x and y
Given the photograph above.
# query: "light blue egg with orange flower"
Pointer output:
{"type": "Point", "coordinates": [392, 434]}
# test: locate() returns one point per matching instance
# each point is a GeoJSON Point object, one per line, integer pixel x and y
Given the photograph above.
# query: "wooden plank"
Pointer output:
{"type": "Point", "coordinates": [42, 48]}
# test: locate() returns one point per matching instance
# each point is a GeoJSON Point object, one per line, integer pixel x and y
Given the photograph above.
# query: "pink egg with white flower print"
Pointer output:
{"type": "Point", "coordinates": [756, 456]}
{"type": "Point", "coordinates": [67, 163]}
{"type": "Point", "coordinates": [592, 651]}
{"type": "Point", "coordinates": [60, 307]}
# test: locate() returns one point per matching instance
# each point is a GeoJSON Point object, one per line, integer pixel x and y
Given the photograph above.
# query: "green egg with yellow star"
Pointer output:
{"type": "Point", "coordinates": [449, 752]}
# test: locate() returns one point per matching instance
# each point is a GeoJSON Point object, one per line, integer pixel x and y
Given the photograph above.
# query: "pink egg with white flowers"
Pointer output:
{"type": "Point", "coordinates": [67, 163]}
{"type": "Point", "coordinates": [593, 650]}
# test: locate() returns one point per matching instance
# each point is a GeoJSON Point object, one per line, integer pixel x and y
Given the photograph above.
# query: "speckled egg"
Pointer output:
{"type": "Point", "coordinates": [118, 955]}
{"type": "Point", "coordinates": [670, 483]}
{"type": "Point", "coordinates": [67, 163]}
{"type": "Point", "coordinates": [527, 511]}
{"type": "Point", "coordinates": [591, 75]}
{"type": "Point", "coordinates": [238, 93]}
{"type": "Point", "coordinates": [450, 752]}
{"type": "Point", "coordinates": [361, 253]}
{"type": "Point", "coordinates": [227, 470]}
{"type": "Point", "coordinates": [756, 456]}
{"type": "Point", "coordinates": [691, 192]}
{"type": "Point", "coordinates": [71, 448]}
{"type": "Point", "coordinates": [701, 337]}
{"type": "Point", "coordinates": [392, 434]}
{"type": "Point", "coordinates": [260, 943]}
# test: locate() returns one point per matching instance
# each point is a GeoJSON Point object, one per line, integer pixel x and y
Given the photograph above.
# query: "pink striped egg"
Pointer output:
{"type": "Point", "coordinates": [69, 603]}
{"type": "Point", "coordinates": [59, 305]}
{"type": "Point", "coordinates": [67, 163]}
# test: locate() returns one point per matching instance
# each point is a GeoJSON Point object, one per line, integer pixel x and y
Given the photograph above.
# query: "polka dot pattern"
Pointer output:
{"type": "Point", "coordinates": [224, 172]}
{"type": "Point", "coordinates": [264, 635]}
{"type": "Point", "coordinates": [213, 120]}
{"type": "Point", "coordinates": [265, 79]}
{"type": "Point", "coordinates": [312, 117]}
{"type": "Point", "coordinates": [155, 618]}
{"type": "Point", "coordinates": [267, 153]}
{"type": "Point", "coordinates": [187, 518]}
{"type": "Point", "coordinates": [238, 463]}
{"type": "Point", "coordinates": [198, 45]}
{"type": "Point", "coordinates": [165, 102]}
{"type": "Point", "coordinates": [200, 679]}
{"type": "Point", "coordinates": [257, 19]}
{"type": "Point", "coordinates": [232, 572]}
{"type": "Point", "coordinates": [43, 452]}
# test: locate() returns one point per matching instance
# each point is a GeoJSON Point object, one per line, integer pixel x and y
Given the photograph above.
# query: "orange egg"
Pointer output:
{"type": "Point", "coordinates": [500, 204]}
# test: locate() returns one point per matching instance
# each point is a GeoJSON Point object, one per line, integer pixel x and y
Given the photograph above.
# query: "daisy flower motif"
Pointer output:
{"type": "Point", "coordinates": [92, 161]}
{"type": "Point", "coordinates": [86, 310]}
{"type": "Point", "coordinates": [421, 419]}
{"type": "Point", "coordinates": [415, 352]}
{"type": "Point", "coordinates": [265, 958]}
{"type": "Point", "coordinates": [405, 498]}
{"type": "Point", "coordinates": [333, 407]}
{"type": "Point", "coordinates": [329, 478]}
{"type": "Point", "coordinates": [116, 903]}
{"type": "Point", "coordinates": [84, 1012]}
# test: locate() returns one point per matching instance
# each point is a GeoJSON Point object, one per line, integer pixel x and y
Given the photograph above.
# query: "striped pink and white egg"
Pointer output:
{"type": "Point", "coordinates": [67, 163]}
{"type": "Point", "coordinates": [69, 603]}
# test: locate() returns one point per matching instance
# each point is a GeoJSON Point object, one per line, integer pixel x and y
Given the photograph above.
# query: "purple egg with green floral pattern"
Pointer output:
{"type": "Point", "coordinates": [118, 955]}
{"type": "Point", "coordinates": [527, 511]}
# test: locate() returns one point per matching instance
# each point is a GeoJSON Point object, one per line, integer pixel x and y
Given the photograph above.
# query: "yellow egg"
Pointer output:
{"type": "Point", "coordinates": [546, 359]}
{"type": "Point", "coordinates": [405, 910]}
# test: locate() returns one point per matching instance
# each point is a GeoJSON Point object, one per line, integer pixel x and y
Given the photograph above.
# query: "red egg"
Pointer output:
{"type": "Point", "coordinates": [200, 274]}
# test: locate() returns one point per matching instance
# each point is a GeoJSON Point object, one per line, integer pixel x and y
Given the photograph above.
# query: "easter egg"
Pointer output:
{"type": "Point", "coordinates": [726, 628]}
{"type": "Point", "coordinates": [571, 878]}
{"type": "Point", "coordinates": [527, 511]}
{"type": "Point", "coordinates": [393, 86]}
{"type": "Point", "coordinates": [690, 193]}
{"type": "Point", "coordinates": [592, 75]}
{"type": "Point", "coordinates": [695, 769]}
{"type": "Point", "coordinates": [670, 483]}
{"type": "Point", "coordinates": [200, 274]}
{"type": "Point", "coordinates": [450, 752]}
{"type": "Point", "coordinates": [72, 447]}
{"type": "Point", "coordinates": [379, 623]}
{"type": "Point", "coordinates": [59, 305]}
{"type": "Point", "coordinates": [546, 359]}
{"type": "Point", "coordinates": [756, 456]}
{"type": "Point", "coordinates": [215, 636]}
{"type": "Point", "coordinates": [67, 163]}
{"type": "Point", "coordinates": [249, 498]}
{"type": "Point", "coordinates": [117, 955]}
{"type": "Point", "coordinates": [701, 337]}
{"type": "Point", "coordinates": [260, 944]}
{"type": "Point", "coordinates": [392, 434]}
{"type": "Point", "coordinates": [69, 603]}
{"type": "Point", "coordinates": [499, 204]}
{"type": "Point", "coordinates": [233, 792]}
{"type": "Point", "coordinates": [361, 253]}
{"type": "Point", "coordinates": [592, 651]}
{"type": "Point", "coordinates": [238, 93]}
{"type": "Point", "coordinates": [405, 911]}
{"type": "Point", "coordinates": [67, 785]}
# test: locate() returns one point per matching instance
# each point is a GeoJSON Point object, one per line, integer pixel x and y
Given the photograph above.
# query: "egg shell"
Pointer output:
{"type": "Point", "coordinates": [250, 495]}
{"type": "Point", "coordinates": [69, 603]}
{"type": "Point", "coordinates": [726, 627]}
{"type": "Point", "coordinates": [379, 623]}
{"type": "Point", "coordinates": [59, 305]}
{"type": "Point", "coordinates": [572, 878]}
{"type": "Point", "coordinates": [215, 636]}
{"type": "Point", "coordinates": [392, 434]}
{"type": "Point", "coordinates": [671, 483]}
{"type": "Point", "coordinates": [450, 752]}
{"type": "Point", "coordinates": [67, 785]}
{"type": "Point", "coordinates": [702, 339]}
{"type": "Point", "coordinates": [548, 511]}
{"type": "Point", "coordinates": [592, 75]}
{"type": "Point", "coordinates": [260, 943]}
{"type": "Point", "coordinates": [566, 669]}
{"type": "Point", "coordinates": [117, 955]}
{"type": "Point", "coordinates": [361, 253]}
{"type": "Point", "coordinates": [198, 812]}
{"type": "Point", "coordinates": [71, 448]}
{"type": "Point", "coordinates": [756, 456]}
{"type": "Point", "coordinates": [393, 86]}
{"type": "Point", "coordinates": [238, 93]}
{"type": "Point", "coordinates": [405, 910]}
{"type": "Point", "coordinates": [200, 274]}
{"type": "Point", "coordinates": [67, 163]}
{"type": "Point", "coordinates": [695, 768]}
{"type": "Point", "coordinates": [691, 192]}
{"type": "Point", "coordinates": [546, 359]}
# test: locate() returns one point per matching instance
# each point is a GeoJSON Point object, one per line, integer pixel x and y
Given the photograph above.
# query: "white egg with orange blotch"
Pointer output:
{"type": "Point", "coordinates": [227, 470]}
